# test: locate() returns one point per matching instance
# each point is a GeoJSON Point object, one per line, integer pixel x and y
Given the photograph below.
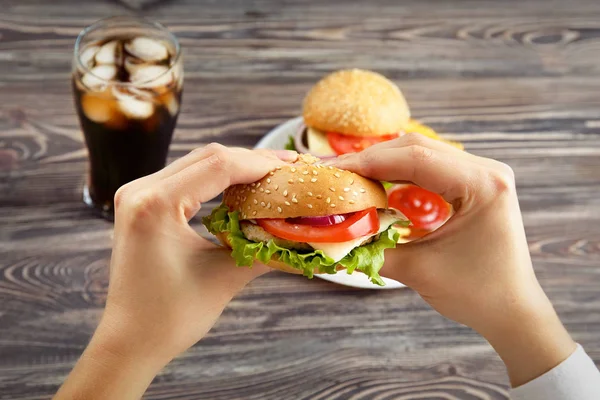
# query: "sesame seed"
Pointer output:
{"type": "Point", "coordinates": [262, 203]}
{"type": "Point", "coordinates": [277, 168]}
{"type": "Point", "coordinates": [309, 194]}
{"type": "Point", "coordinates": [269, 205]}
{"type": "Point", "coordinates": [244, 215]}
{"type": "Point", "coordinates": [362, 190]}
{"type": "Point", "coordinates": [279, 209]}
{"type": "Point", "coordinates": [301, 180]}
{"type": "Point", "coordinates": [253, 212]}
{"type": "Point", "coordinates": [255, 201]}
{"type": "Point", "coordinates": [253, 184]}
{"type": "Point", "coordinates": [305, 172]}
{"type": "Point", "coordinates": [261, 189]}
{"type": "Point", "coordinates": [315, 172]}
{"type": "Point", "coordinates": [271, 173]}
{"type": "Point", "coordinates": [341, 198]}
{"type": "Point", "coordinates": [287, 203]}
{"type": "Point", "coordinates": [268, 180]}
{"type": "Point", "coordinates": [248, 207]}
{"type": "Point", "coordinates": [328, 200]}
{"type": "Point", "coordinates": [351, 202]}
{"type": "Point", "coordinates": [330, 167]}
{"type": "Point", "coordinates": [336, 175]}
{"type": "Point", "coordinates": [355, 193]}
{"type": "Point", "coordinates": [332, 205]}
{"type": "Point", "coordinates": [276, 187]}
{"type": "Point", "coordinates": [294, 200]}
{"type": "Point", "coordinates": [244, 198]}
{"type": "Point", "coordinates": [309, 205]}
{"type": "Point", "coordinates": [346, 189]}
{"type": "Point", "coordinates": [293, 169]}
{"type": "Point", "coordinates": [352, 181]}
{"type": "Point", "coordinates": [267, 191]}
{"type": "Point", "coordinates": [285, 192]}
{"type": "Point", "coordinates": [258, 184]}
{"type": "Point", "coordinates": [332, 189]}
{"type": "Point", "coordinates": [290, 181]}
{"type": "Point", "coordinates": [319, 196]}
{"type": "Point", "coordinates": [313, 180]}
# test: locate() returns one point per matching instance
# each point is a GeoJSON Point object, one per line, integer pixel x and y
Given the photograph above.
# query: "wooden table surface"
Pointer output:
{"type": "Point", "coordinates": [515, 80]}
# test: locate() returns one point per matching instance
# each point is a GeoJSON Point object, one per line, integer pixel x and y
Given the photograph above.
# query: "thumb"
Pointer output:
{"type": "Point", "coordinates": [407, 263]}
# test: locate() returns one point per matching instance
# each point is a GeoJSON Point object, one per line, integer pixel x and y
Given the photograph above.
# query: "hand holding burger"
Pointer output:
{"type": "Point", "coordinates": [168, 285]}
{"type": "Point", "coordinates": [475, 269]}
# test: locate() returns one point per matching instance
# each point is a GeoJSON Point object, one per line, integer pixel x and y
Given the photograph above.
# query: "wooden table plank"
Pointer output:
{"type": "Point", "coordinates": [519, 82]}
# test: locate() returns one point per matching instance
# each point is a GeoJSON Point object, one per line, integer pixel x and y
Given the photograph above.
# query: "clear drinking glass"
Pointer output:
{"type": "Point", "coordinates": [127, 86]}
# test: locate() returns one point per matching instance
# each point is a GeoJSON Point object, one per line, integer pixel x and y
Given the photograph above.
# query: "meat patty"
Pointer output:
{"type": "Point", "coordinates": [257, 234]}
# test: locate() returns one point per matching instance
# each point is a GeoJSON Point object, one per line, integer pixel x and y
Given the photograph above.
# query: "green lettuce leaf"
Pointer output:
{"type": "Point", "coordinates": [387, 185]}
{"type": "Point", "coordinates": [367, 258]}
{"type": "Point", "coordinates": [290, 144]}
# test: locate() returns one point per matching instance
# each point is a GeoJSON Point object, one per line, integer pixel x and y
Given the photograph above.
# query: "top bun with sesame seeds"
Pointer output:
{"type": "Point", "coordinates": [305, 188]}
{"type": "Point", "coordinates": [356, 103]}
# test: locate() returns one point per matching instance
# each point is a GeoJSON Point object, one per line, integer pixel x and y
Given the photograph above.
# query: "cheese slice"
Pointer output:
{"type": "Point", "coordinates": [318, 143]}
{"type": "Point", "coordinates": [337, 251]}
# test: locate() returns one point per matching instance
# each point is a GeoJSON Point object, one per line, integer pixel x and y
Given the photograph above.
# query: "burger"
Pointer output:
{"type": "Point", "coordinates": [350, 110]}
{"type": "Point", "coordinates": [308, 218]}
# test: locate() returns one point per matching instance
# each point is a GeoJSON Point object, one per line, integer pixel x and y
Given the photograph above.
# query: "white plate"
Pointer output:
{"type": "Point", "coordinates": [277, 138]}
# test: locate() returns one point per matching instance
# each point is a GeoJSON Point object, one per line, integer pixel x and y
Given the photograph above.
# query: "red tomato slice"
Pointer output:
{"type": "Point", "coordinates": [426, 210]}
{"type": "Point", "coordinates": [343, 144]}
{"type": "Point", "coordinates": [361, 223]}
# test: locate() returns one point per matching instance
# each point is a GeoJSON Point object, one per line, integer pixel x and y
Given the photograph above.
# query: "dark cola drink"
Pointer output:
{"type": "Point", "coordinates": [127, 92]}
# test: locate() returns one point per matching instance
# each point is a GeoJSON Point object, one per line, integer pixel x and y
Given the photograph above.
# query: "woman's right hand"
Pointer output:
{"type": "Point", "coordinates": [476, 269]}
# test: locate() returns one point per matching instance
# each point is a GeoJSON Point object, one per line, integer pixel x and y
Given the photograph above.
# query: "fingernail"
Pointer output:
{"type": "Point", "coordinates": [332, 161]}
{"type": "Point", "coordinates": [336, 160]}
{"type": "Point", "coordinates": [286, 155]}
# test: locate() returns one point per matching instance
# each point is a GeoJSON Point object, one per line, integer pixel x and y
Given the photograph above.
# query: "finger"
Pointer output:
{"type": "Point", "coordinates": [206, 179]}
{"type": "Point", "coordinates": [193, 157]}
{"type": "Point", "coordinates": [403, 263]}
{"type": "Point", "coordinates": [204, 152]}
{"type": "Point", "coordinates": [181, 163]}
{"type": "Point", "coordinates": [284, 155]}
{"type": "Point", "coordinates": [416, 139]}
{"type": "Point", "coordinates": [451, 176]}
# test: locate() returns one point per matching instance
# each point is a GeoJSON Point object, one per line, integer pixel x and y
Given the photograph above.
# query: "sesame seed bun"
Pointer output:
{"type": "Point", "coordinates": [305, 189]}
{"type": "Point", "coordinates": [274, 262]}
{"type": "Point", "coordinates": [357, 103]}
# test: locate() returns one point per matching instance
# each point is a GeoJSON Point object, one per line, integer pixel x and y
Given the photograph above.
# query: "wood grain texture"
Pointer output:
{"type": "Point", "coordinates": [517, 81]}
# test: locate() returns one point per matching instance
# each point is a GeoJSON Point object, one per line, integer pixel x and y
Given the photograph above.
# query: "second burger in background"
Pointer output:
{"type": "Point", "coordinates": [350, 110]}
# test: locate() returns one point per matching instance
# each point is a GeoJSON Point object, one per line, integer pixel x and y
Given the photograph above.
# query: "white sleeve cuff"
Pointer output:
{"type": "Point", "coordinates": [576, 378]}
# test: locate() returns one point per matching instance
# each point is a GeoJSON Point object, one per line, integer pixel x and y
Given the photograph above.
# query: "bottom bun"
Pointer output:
{"type": "Point", "coordinates": [274, 262]}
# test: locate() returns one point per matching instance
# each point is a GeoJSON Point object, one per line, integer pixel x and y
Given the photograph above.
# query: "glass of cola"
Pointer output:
{"type": "Point", "coordinates": [127, 85]}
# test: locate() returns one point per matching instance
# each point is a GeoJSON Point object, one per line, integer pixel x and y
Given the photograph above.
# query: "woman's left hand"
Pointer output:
{"type": "Point", "coordinates": [167, 285]}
